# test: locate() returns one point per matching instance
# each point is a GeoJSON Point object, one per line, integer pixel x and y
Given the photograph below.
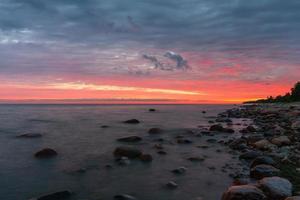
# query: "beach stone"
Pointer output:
{"type": "Point", "coordinates": [172, 185]}
{"type": "Point", "coordinates": [130, 139]}
{"type": "Point", "coordinates": [262, 144]}
{"type": "Point", "coordinates": [243, 192]}
{"type": "Point", "coordinates": [153, 131]}
{"type": "Point", "coordinates": [123, 161]}
{"type": "Point", "coordinates": [184, 141]}
{"type": "Point", "coordinates": [124, 197]}
{"type": "Point", "coordinates": [61, 195]}
{"type": "Point", "coordinates": [132, 121]}
{"type": "Point", "coordinates": [261, 171]}
{"type": "Point", "coordinates": [45, 153]}
{"type": "Point", "coordinates": [216, 127]}
{"type": "Point", "coordinates": [129, 152]}
{"type": "Point", "coordinates": [262, 160]}
{"type": "Point", "coordinates": [276, 188]}
{"type": "Point", "coordinates": [281, 140]}
{"type": "Point", "coordinates": [250, 155]}
{"type": "Point", "coordinates": [293, 198]}
{"type": "Point", "coordinates": [30, 135]}
{"type": "Point", "coordinates": [180, 170]}
{"type": "Point", "coordinates": [146, 158]}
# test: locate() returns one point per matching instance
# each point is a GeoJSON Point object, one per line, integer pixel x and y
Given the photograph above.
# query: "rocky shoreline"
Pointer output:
{"type": "Point", "coordinates": [263, 139]}
{"type": "Point", "coordinates": [270, 147]}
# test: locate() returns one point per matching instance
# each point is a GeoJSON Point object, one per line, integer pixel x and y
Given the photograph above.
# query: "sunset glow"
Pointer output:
{"type": "Point", "coordinates": [202, 53]}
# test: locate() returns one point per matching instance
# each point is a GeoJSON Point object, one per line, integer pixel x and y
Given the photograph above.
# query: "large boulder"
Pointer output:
{"type": "Point", "coordinates": [130, 139]}
{"type": "Point", "coordinates": [276, 188]}
{"type": "Point", "coordinates": [281, 140]}
{"type": "Point", "coordinates": [128, 152]}
{"type": "Point", "coordinates": [243, 192]}
{"type": "Point", "coordinates": [45, 153]}
{"type": "Point", "coordinates": [261, 171]}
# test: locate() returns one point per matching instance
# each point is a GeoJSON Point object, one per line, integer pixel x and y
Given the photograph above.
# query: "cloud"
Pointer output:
{"type": "Point", "coordinates": [180, 62]}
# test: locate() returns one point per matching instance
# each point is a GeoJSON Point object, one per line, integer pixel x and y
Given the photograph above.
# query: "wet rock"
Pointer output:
{"type": "Point", "coordinates": [281, 140]}
{"type": "Point", "coordinates": [123, 161]}
{"type": "Point", "coordinates": [172, 185]}
{"type": "Point", "coordinates": [262, 160]}
{"type": "Point", "coordinates": [104, 126]}
{"type": "Point", "coordinates": [261, 171]}
{"type": "Point", "coordinates": [129, 152]}
{"type": "Point", "coordinates": [45, 153]}
{"type": "Point", "coordinates": [216, 127]}
{"type": "Point", "coordinates": [250, 155]}
{"type": "Point", "coordinates": [153, 131]}
{"type": "Point", "coordinates": [276, 188]}
{"type": "Point", "coordinates": [196, 159]}
{"type": "Point", "coordinates": [184, 141]}
{"type": "Point", "coordinates": [211, 140]}
{"type": "Point", "coordinates": [263, 144]}
{"type": "Point", "coordinates": [244, 192]}
{"type": "Point", "coordinates": [61, 195]}
{"type": "Point", "coordinates": [203, 111]}
{"type": "Point", "coordinates": [130, 139]}
{"type": "Point", "coordinates": [238, 144]}
{"type": "Point", "coordinates": [152, 110]}
{"type": "Point", "coordinates": [124, 197]}
{"type": "Point", "coordinates": [240, 181]}
{"type": "Point", "coordinates": [30, 135]}
{"type": "Point", "coordinates": [180, 170]}
{"type": "Point", "coordinates": [293, 198]}
{"type": "Point", "coordinates": [162, 152]}
{"type": "Point", "coordinates": [146, 158]}
{"type": "Point", "coordinates": [158, 146]}
{"type": "Point", "coordinates": [132, 121]}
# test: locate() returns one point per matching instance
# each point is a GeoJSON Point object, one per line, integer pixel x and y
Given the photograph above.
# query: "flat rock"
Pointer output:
{"type": "Point", "coordinates": [130, 139]}
{"type": "Point", "coordinates": [276, 188]}
{"type": "Point", "coordinates": [243, 192]}
{"type": "Point", "coordinates": [261, 171]}
{"type": "Point", "coordinates": [45, 153]}
{"type": "Point", "coordinates": [128, 152]}
{"type": "Point", "coordinates": [132, 121]}
{"type": "Point", "coordinates": [30, 135]}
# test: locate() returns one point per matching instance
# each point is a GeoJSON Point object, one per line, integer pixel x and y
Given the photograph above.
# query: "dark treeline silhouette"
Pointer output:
{"type": "Point", "coordinates": [292, 96]}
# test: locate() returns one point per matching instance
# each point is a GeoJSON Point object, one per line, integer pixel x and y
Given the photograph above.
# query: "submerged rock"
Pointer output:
{"type": "Point", "coordinates": [124, 197]}
{"type": "Point", "coordinates": [30, 135]}
{"type": "Point", "coordinates": [146, 158]}
{"type": "Point", "coordinates": [180, 170]}
{"type": "Point", "coordinates": [276, 188]}
{"type": "Point", "coordinates": [243, 192]}
{"type": "Point", "coordinates": [172, 185]}
{"type": "Point", "coordinates": [61, 195]}
{"type": "Point", "coordinates": [45, 153]}
{"type": "Point", "coordinates": [261, 171]}
{"type": "Point", "coordinates": [132, 121]}
{"type": "Point", "coordinates": [153, 131]}
{"type": "Point", "coordinates": [129, 152]}
{"type": "Point", "coordinates": [130, 139]}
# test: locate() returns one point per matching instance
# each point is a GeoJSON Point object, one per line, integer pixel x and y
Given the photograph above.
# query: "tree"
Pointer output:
{"type": "Point", "coordinates": [295, 92]}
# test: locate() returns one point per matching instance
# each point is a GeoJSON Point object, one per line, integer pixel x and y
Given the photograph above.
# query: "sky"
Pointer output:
{"type": "Point", "coordinates": [145, 51]}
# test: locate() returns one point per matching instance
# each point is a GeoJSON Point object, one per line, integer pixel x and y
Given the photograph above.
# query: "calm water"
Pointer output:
{"type": "Point", "coordinates": [75, 132]}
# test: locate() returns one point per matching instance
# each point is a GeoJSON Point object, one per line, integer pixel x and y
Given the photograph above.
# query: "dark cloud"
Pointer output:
{"type": "Point", "coordinates": [180, 62]}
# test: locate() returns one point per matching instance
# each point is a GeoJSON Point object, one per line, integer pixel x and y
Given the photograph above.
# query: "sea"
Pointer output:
{"type": "Point", "coordinates": [85, 149]}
